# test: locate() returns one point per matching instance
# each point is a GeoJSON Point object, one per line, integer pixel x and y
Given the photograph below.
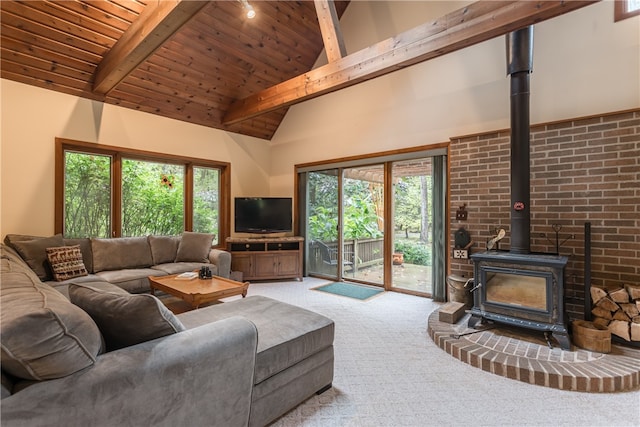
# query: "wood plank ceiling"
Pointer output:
{"type": "Point", "coordinates": [217, 57]}
{"type": "Point", "coordinates": [220, 69]}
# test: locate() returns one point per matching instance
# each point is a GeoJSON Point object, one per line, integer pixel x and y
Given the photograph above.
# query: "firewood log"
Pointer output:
{"type": "Point", "coordinates": [620, 328]}
{"type": "Point", "coordinates": [601, 322]}
{"type": "Point", "coordinates": [630, 309]}
{"type": "Point", "coordinates": [635, 329]}
{"type": "Point", "coordinates": [633, 291]}
{"type": "Point", "coordinates": [607, 304]}
{"type": "Point", "coordinates": [601, 312]}
{"type": "Point", "coordinates": [621, 315]}
{"type": "Point", "coordinates": [597, 294]}
{"type": "Point", "coordinates": [619, 295]}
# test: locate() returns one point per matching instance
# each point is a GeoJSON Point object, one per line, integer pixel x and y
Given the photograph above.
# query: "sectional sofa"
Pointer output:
{"type": "Point", "coordinates": [90, 352]}
{"type": "Point", "coordinates": [126, 262]}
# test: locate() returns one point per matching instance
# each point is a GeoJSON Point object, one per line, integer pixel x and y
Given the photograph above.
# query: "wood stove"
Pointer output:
{"type": "Point", "coordinates": [521, 290]}
{"type": "Point", "coordinates": [518, 287]}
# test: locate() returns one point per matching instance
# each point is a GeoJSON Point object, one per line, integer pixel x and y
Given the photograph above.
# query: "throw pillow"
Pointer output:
{"type": "Point", "coordinates": [66, 262]}
{"type": "Point", "coordinates": [164, 248]}
{"type": "Point", "coordinates": [44, 336]}
{"type": "Point", "coordinates": [34, 253]}
{"type": "Point", "coordinates": [194, 247]}
{"type": "Point", "coordinates": [85, 248]}
{"type": "Point", "coordinates": [124, 319]}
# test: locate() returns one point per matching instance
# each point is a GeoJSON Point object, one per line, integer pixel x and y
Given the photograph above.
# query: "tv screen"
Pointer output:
{"type": "Point", "coordinates": [263, 214]}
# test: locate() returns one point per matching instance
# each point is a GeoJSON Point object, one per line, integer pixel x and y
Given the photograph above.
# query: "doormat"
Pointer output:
{"type": "Point", "coordinates": [350, 290]}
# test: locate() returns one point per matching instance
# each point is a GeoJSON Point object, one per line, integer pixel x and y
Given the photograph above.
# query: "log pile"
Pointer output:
{"type": "Point", "coordinates": [618, 310]}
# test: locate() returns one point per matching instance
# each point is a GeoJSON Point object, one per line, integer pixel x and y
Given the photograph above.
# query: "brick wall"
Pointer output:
{"type": "Point", "coordinates": [582, 170]}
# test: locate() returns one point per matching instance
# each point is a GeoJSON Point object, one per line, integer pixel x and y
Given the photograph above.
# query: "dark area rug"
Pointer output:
{"type": "Point", "coordinates": [350, 290]}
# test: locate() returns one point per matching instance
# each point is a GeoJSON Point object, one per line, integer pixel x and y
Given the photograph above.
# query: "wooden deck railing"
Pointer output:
{"type": "Point", "coordinates": [360, 252]}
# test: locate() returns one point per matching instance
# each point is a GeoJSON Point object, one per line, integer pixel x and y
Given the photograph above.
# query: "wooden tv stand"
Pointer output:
{"type": "Point", "coordinates": [267, 258]}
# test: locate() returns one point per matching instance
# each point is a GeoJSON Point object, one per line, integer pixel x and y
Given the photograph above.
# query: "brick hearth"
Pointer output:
{"type": "Point", "coordinates": [525, 356]}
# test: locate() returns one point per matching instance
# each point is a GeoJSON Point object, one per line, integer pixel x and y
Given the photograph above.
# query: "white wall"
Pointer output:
{"type": "Point", "coordinates": [31, 119]}
{"type": "Point", "coordinates": [584, 64]}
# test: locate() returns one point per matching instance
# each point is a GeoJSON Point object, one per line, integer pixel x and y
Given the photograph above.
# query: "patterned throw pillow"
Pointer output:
{"type": "Point", "coordinates": [66, 262]}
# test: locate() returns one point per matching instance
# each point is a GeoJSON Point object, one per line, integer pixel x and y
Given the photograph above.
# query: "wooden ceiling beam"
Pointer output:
{"type": "Point", "coordinates": [478, 22]}
{"type": "Point", "coordinates": [157, 22]}
{"type": "Point", "coordinates": [330, 29]}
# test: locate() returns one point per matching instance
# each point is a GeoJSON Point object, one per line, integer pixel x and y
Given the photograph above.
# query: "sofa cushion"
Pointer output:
{"type": "Point", "coordinates": [120, 253]}
{"type": "Point", "coordinates": [44, 336]}
{"type": "Point", "coordinates": [34, 252]}
{"type": "Point", "coordinates": [7, 386]}
{"type": "Point", "coordinates": [124, 319]}
{"type": "Point", "coordinates": [164, 248]}
{"type": "Point", "coordinates": [7, 252]}
{"type": "Point", "coordinates": [132, 280]}
{"type": "Point", "coordinates": [286, 334]}
{"type": "Point", "coordinates": [66, 262]}
{"type": "Point", "coordinates": [194, 247]}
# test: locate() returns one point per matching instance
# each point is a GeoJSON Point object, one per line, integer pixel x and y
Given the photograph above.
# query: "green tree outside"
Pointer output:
{"type": "Point", "coordinates": [152, 197]}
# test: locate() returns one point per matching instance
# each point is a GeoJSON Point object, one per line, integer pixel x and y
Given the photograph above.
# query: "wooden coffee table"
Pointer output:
{"type": "Point", "coordinates": [198, 291]}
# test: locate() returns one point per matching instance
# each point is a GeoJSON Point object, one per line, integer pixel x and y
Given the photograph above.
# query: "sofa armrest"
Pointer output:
{"type": "Point", "coordinates": [202, 376]}
{"type": "Point", "coordinates": [222, 259]}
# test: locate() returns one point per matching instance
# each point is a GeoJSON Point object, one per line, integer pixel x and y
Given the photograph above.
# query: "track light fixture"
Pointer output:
{"type": "Point", "coordinates": [251, 13]}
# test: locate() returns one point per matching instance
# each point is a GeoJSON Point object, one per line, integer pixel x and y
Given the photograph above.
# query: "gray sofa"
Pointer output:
{"type": "Point", "coordinates": [126, 262]}
{"type": "Point", "coordinates": [107, 357]}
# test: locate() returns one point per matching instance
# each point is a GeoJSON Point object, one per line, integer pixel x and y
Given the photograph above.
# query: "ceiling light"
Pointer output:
{"type": "Point", "coordinates": [251, 13]}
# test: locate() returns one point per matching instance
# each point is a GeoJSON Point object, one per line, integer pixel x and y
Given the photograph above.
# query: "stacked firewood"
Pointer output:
{"type": "Point", "coordinates": [617, 309]}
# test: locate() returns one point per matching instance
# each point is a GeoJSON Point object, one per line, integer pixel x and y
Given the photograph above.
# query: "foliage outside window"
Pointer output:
{"type": "Point", "coordinates": [152, 198]}
{"type": "Point", "coordinates": [624, 9]}
{"type": "Point", "coordinates": [206, 199]}
{"type": "Point", "coordinates": [360, 217]}
{"type": "Point", "coordinates": [87, 195]}
{"type": "Point", "coordinates": [104, 191]}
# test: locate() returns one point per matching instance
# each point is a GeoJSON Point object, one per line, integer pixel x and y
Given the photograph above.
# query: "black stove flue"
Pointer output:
{"type": "Point", "coordinates": [518, 287]}
{"type": "Point", "coordinates": [519, 67]}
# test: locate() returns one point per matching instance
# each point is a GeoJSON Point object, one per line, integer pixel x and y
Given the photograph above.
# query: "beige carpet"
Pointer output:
{"type": "Point", "coordinates": [388, 372]}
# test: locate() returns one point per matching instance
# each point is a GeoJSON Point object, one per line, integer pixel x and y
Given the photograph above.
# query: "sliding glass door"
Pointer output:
{"type": "Point", "coordinates": [412, 225]}
{"type": "Point", "coordinates": [322, 223]}
{"type": "Point", "coordinates": [363, 223]}
{"type": "Point", "coordinates": [377, 223]}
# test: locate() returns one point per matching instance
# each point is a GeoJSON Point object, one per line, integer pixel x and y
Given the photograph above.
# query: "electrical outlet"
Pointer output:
{"type": "Point", "coordinates": [460, 254]}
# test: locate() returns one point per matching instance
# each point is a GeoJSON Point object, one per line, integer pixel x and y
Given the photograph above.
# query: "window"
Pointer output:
{"type": "Point", "coordinates": [104, 191]}
{"type": "Point", "coordinates": [206, 196]}
{"type": "Point", "coordinates": [624, 9]}
{"type": "Point", "coordinates": [86, 203]}
{"type": "Point", "coordinates": [152, 198]}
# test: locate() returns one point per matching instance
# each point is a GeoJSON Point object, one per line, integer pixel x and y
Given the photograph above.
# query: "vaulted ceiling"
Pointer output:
{"type": "Point", "coordinates": [206, 63]}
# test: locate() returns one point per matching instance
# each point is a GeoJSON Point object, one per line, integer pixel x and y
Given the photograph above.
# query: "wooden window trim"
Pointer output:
{"type": "Point", "coordinates": [117, 153]}
{"type": "Point", "coordinates": [620, 10]}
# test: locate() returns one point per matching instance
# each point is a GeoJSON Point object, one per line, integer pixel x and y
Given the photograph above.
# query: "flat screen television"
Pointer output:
{"type": "Point", "coordinates": [263, 215]}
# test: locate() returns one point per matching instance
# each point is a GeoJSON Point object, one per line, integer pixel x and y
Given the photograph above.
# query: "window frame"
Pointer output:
{"type": "Point", "coordinates": [117, 154]}
{"type": "Point", "coordinates": [621, 10]}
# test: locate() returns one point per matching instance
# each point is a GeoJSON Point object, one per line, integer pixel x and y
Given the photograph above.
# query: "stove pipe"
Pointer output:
{"type": "Point", "coordinates": [519, 66]}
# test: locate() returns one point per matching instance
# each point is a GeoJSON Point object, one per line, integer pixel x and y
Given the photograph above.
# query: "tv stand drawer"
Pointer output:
{"type": "Point", "coordinates": [251, 247]}
{"type": "Point", "coordinates": [283, 246]}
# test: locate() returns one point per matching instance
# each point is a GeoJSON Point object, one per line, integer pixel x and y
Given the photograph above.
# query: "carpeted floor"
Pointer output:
{"type": "Point", "coordinates": [388, 372]}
